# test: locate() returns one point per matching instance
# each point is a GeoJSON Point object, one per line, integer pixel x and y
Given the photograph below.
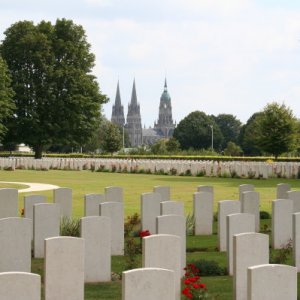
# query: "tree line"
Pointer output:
{"type": "Point", "coordinates": [50, 100]}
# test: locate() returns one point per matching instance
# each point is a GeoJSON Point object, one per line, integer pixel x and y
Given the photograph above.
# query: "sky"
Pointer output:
{"type": "Point", "coordinates": [219, 56]}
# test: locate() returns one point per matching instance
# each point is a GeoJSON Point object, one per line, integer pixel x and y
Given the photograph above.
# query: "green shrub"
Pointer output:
{"type": "Point", "coordinates": [132, 224]}
{"type": "Point", "coordinates": [264, 215]}
{"type": "Point", "coordinates": [281, 256]}
{"type": "Point", "coordinates": [210, 268]}
{"type": "Point", "coordinates": [70, 227]}
{"type": "Point", "coordinates": [190, 224]}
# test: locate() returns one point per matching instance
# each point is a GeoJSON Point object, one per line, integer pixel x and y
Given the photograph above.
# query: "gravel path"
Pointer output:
{"type": "Point", "coordinates": [34, 187]}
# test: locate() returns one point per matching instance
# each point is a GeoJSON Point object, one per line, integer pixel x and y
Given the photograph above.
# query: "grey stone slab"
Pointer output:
{"type": "Point", "coordinates": [91, 204]}
{"type": "Point", "coordinates": [172, 208]}
{"type": "Point", "coordinates": [114, 194]}
{"type": "Point", "coordinates": [148, 284]}
{"type": "Point", "coordinates": [64, 268]}
{"type": "Point", "coordinates": [281, 190]}
{"type": "Point", "coordinates": [203, 212]}
{"type": "Point", "coordinates": [8, 203]}
{"type": "Point", "coordinates": [63, 196]}
{"type": "Point", "coordinates": [295, 197]}
{"type": "Point", "coordinates": [245, 188]}
{"type": "Point", "coordinates": [296, 240]}
{"type": "Point", "coordinates": [250, 204]}
{"type": "Point", "coordinates": [164, 191]}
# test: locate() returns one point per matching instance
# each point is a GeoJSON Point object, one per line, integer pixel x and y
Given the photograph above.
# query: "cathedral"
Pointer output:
{"type": "Point", "coordinates": [138, 136]}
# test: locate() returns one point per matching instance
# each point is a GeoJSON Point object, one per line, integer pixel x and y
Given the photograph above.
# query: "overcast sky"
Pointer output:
{"type": "Point", "coordinates": [219, 56]}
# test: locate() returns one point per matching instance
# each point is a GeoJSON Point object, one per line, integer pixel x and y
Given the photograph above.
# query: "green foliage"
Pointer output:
{"type": "Point", "coordinates": [281, 256]}
{"type": "Point", "coordinates": [57, 98]}
{"type": "Point", "coordinates": [194, 131]}
{"type": "Point", "coordinates": [110, 136]}
{"type": "Point", "coordinates": [132, 225]}
{"type": "Point", "coordinates": [7, 106]}
{"type": "Point", "coordinates": [159, 147]}
{"type": "Point", "coordinates": [230, 127]}
{"type": "Point", "coordinates": [172, 145]}
{"type": "Point", "coordinates": [190, 224]}
{"type": "Point", "coordinates": [210, 268]}
{"type": "Point", "coordinates": [264, 215]}
{"type": "Point", "coordinates": [233, 149]}
{"type": "Point", "coordinates": [70, 227]}
{"type": "Point", "coordinates": [277, 129]}
{"type": "Point", "coordinates": [131, 251]}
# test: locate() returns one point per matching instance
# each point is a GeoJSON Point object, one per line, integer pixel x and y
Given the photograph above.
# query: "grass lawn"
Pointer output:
{"type": "Point", "coordinates": [182, 189]}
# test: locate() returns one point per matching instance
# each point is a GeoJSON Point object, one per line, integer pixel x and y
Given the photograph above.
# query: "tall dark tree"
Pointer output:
{"type": "Point", "coordinates": [230, 127]}
{"type": "Point", "coordinates": [248, 138]}
{"type": "Point", "coordinates": [57, 98]}
{"type": "Point", "coordinates": [195, 131]}
{"type": "Point", "coordinates": [110, 137]}
{"type": "Point", "coordinates": [6, 93]}
{"type": "Point", "coordinates": [278, 129]}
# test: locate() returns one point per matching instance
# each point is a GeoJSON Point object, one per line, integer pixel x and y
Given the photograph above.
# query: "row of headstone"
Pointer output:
{"type": "Point", "coordinates": [244, 169]}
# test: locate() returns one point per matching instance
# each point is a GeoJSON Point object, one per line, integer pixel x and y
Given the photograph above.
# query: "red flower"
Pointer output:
{"type": "Point", "coordinates": [144, 233]}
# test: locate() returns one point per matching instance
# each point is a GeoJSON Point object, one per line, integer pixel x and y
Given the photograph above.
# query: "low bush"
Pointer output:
{"type": "Point", "coordinates": [264, 215]}
{"type": "Point", "coordinates": [70, 227]}
{"type": "Point", "coordinates": [210, 268]}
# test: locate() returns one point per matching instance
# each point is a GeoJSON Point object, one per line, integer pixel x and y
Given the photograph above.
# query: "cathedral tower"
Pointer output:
{"type": "Point", "coordinates": [117, 115]}
{"type": "Point", "coordinates": [165, 122]}
{"type": "Point", "coordinates": [134, 124]}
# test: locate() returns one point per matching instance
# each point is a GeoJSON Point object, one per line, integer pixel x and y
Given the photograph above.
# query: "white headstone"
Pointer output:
{"type": "Point", "coordinates": [250, 204]}
{"type": "Point", "coordinates": [91, 204]}
{"type": "Point", "coordinates": [114, 194]}
{"type": "Point", "coordinates": [172, 208]}
{"type": "Point", "coordinates": [63, 196]}
{"type": "Point", "coordinates": [97, 235]}
{"type": "Point", "coordinates": [64, 268]}
{"type": "Point", "coordinates": [225, 208]}
{"type": "Point", "coordinates": [282, 189]}
{"type": "Point", "coordinates": [295, 197]}
{"type": "Point", "coordinates": [206, 188]}
{"type": "Point", "coordinates": [148, 284]}
{"type": "Point", "coordinates": [15, 244]}
{"type": "Point", "coordinates": [296, 240]}
{"type": "Point", "coordinates": [164, 251]}
{"type": "Point", "coordinates": [150, 209]}
{"type": "Point", "coordinates": [115, 211]}
{"type": "Point", "coordinates": [164, 191]}
{"type": "Point", "coordinates": [203, 213]}
{"type": "Point", "coordinates": [8, 203]}
{"type": "Point", "coordinates": [249, 249]}
{"type": "Point", "coordinates": [245, 188]}
{"type": "Point", "coordinates": [272, 282]}
{"type": "Point", "coordinates": [20, 285]}
{"type": "Point", "coordinates": [282, 210]}
{"type": "Point", "coordinates": [174, 225]}
{"type": "Point", "coordinates": [237, 223]}
{"type": "Point", "coordinates": [46, 223]}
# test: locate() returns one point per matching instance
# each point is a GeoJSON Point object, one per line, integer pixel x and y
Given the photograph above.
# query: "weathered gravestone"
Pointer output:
{"type": "Point", "coordinates": [281, 190]}
{"type": "Point", "coordinates": [115, 211]}
{"type": "Point", "coordinates": [148, 284]}
{"type": "Point", "coordinates": [203, 213]}
{"type": "Point", "coordinates": [295, 197]}
{"type": "Point", "coordinates": [245, 188]}
{"type": "Point", "coordinates": [225, 208]}
{"type": "Point", "coordinates": [64, 268]}
{"type": "Point", "coordinates": [172, 208]}
{"type": "Point", "coordinates": [8, 203]}
{"type": "Point", "coordinates": [91, 204]}
{"type": "Point", "coordinates": [15, 244]}
{"type": "Point", "coordinates": [249, 249]}
{"type": "Point", "coordinates": [164, 251]}
{"type": "Point", "coordinates": [20, 285]}
{"type": "Point", "coordinates": [63, 196]}
{"type": "Point", "coordinates": [150, 209]}
{"type": "Point", "coordinates": [250, 204]}
{"type": "Point", "coordinates": [282, 210]}
{"type": "Point", "coordinates": [164, 191]}
{"type": "Point", "coordinates": [96, 231]}
{"type": "Point", "coordinates": [174, 225]}
{"type": "Point", "coordinates": [272, 282]}
{"type": "Point", "coordinates": [113, 194]}
{"type": "Point", "coordinates": [46, 223]}
{"type": "Point", "coordinates": [237, 223]}
{"type": "Point", "coordinates": [296, 240]}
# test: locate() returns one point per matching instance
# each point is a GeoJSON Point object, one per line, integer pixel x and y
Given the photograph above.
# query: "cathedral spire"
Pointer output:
{"type": "Point", "coordinates": [133, 94]}
{"type": "Point", "coordinates": [118, 97]}
{"type": "Point", "coordinates": [117, 116]}
{"type": "Point", "coordinates": [165, 87]}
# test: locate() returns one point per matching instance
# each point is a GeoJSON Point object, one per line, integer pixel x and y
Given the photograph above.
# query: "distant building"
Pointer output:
{"type": "Point", "coordinates": [164, 127]}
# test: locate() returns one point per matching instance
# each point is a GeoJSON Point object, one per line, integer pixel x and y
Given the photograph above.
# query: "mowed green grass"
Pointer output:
{"type": "Point", "coordinates": [182, 187]}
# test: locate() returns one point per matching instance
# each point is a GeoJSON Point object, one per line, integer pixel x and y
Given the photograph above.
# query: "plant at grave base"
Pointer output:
{"type": "Point", "coordinates": [194, 289]}
{"type": "Point", "coordinates": [265, 228]}
{"type": "Point", "coordinates": [281, 256]}
{"type": "Point", "coordinates": [201, 173]}
{"type": "Point", "coordinates": [210, 268]}
{"type": "Point", "coordinates": [173, 171]}
{"type": "Point", "coordinates": [70, 227]}
{"type": "Point", "coordinates": [131, 251]}
{"type": "Point", "coordinates": [190, 224]}
{"type": "Point", "coordinates": [132, 224]}
{"type": "Point", "coordinates": [22, 212]}
{"type": "Point", "coordinates": [264, 215]}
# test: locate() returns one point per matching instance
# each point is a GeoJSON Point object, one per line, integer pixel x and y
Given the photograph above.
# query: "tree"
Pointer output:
{"type": "Point", "coordinates": [110, 137]}
{"type": "Point", "coordinates": [194, 131]}
{"type": "Point", "coordinates": [233, 149]}
{"type": "Point", "coordinates": [6, 93]}
{"type": "Point", "coordinates": [230, 127]}
{"type": "Point", "coordinates": [159, 147]}
{"type": "Point", "coordinates": [57, 99]}
{"type": "Point", "coordinates": [249, 133]}
{"type": "Point", "coordinates": [278, 129]}
{"type": "Point", "coordinates": [172, 145]}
